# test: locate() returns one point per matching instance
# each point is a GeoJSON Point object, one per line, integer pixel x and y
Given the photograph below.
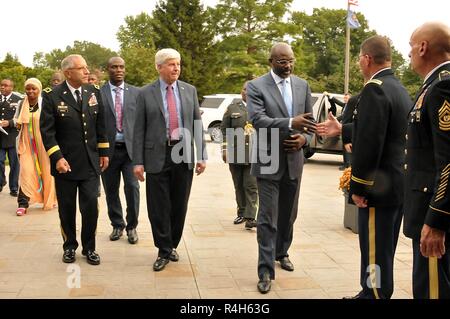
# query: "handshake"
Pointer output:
{"type": "Point", "coordinates": [304, 122]}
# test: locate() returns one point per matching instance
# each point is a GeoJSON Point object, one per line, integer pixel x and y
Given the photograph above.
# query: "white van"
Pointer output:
{"type": "Point", "coordinates": [212, 108]}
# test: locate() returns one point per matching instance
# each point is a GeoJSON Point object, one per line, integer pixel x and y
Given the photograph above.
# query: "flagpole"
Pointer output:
{"type": "Point", "coordinates": [347, 53]}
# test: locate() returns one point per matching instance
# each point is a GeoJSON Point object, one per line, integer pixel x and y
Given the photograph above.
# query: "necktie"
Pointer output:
{"type": "Point", "coordinates": [173, 117]}
{"type": "Point", "coordinates": [118, 107]}
{"type": "Point", "coordinates": [286, 97]}
{"type": "Point", "coordinates": [77, 93]}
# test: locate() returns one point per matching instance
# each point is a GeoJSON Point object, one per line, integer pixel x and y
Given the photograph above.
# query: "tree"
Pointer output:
{"type": "Point", "coordinates": [186, 27]}
{"type": "Point", "coordinates": [95, 55]}
{"type": "Point", "coordinates": [12, 69]}
{"type": "Point", "coordinates": [248, 29]}
{"type": "Point", "coordinates": [139, 64]}
{"type": "Point", "coordinates": [137, 32]}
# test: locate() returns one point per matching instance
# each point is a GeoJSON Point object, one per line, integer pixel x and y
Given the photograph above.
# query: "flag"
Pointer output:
{"type": "Point", "coordinates": [352, 20]}
{"type": "Point", "coordinates": [353, 2]}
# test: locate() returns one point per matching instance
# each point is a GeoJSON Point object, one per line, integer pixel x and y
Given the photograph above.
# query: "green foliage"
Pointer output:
{"type": "Point", "coordinates": [248, 29]}
{"type": "Point", "coordinates": [139, 65]}
{"type": "Point", "coordinates": [137, 32]}
{"type": "Point", "coordinates": [95, 55]}
{"type": "Point", "coordinates": [12, 69]}
{"type": "Point", "coordinates": [184, 25]}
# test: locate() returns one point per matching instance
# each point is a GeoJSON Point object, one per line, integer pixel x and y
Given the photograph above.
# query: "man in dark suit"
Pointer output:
{"type": "Point", "coordinates": [376, 185]}
{"type": "Point", "coordinates": [427, 199]}
{"type": "Point", "coordinates": [279, 105]}
{"type": "Point", "coordinates": [119, 99]}
{"type": "Point", "coordinates": [168, 123]}
{"type": "Point", "coordinates": [74, 135]}
{"type": "Point", "coordinates": [8, 105]}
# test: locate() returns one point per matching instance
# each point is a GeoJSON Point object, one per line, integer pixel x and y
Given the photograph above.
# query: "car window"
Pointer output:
{"type": "Point", "coordinates": [236, 100]}
{"type": "Point", "coordinates": [314, 100]}
{"type": "Point", "coordinates": [212, 103]}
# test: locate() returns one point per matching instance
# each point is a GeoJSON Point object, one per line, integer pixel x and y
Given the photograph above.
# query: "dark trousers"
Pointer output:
{"type": "Point", "coordinates": [278, 206]}
{"type": "Point", "coordinates": [121, 164]}
{"type": "Point", "coordinates": [66, 192]}
{"type": "Point", "coordinates": [245, 189]}
{"type": "Point", "coordinates": [347, 158]}
{"type": "Point", "coordinates": [378, 235]}
{"type": "Point", "coordinates": [431, 276]}
{"type": "Point", "coordinates": [13, 168]}
{"type": "Point", "coordinates": [22, 199]}
{"type": "Point", "coordinates": [167, 200]}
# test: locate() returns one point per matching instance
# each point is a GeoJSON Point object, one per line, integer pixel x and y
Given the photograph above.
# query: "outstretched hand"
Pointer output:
{"type": "Point", "coordinates": [331, 127]}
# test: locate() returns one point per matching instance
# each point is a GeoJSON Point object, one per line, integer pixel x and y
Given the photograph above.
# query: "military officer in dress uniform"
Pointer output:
{"type": "Point", "coordinates": [236, 151]}
{"type": "Point", "coordinates": [376, 185]}
{"type": "Point", "coordinates": [8, 105]}
{"type": "Point", "coordinates": [74, 135]}
{"type": "Point", "coordinates": [427, 200]}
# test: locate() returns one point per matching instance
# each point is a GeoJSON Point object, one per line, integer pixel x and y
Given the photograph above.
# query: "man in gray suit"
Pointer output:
{"type": "Point", "coordinates": [279, 105]}
{"type": "Point", "coordinates": [168, 123]}
{"type": "Point", "coordinates": [120, 114]}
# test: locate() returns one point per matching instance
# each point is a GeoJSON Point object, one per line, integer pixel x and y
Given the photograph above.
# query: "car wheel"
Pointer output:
{"type": "Point", "coordinates": [307, 152]}
{"type": "Point", "coordinates": [216, 133]}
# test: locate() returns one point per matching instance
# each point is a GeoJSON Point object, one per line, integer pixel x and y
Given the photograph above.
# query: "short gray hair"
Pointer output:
{"type": "Point", "coordinates": [166, 54]}
{"type": "Point", "coordinates": [67, 62]}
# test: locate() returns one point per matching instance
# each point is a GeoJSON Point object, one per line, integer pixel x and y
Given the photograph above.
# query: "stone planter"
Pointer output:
{"type": "Point", "coordinates": [350, 215]}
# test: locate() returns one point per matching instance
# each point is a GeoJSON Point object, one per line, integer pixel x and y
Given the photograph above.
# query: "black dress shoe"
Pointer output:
{"type": "Point", "coordinates": [132, 236]}
{"type": "Point", "coordinates": [264, 284]}
{"type": "Point", "coordinates": [250, 223]}
{"type": "Point", "coordinates": [286, 264]}
{"type": "Point", "coordinates": [238, 220]}
{"type": "Point", "coordinates": [69, 256]}
{"type": "Point", "coordinates": [116, 234]}
{"type": "Point", "coordinates": [174, 256]}
{"type": "Point", "coordinates": [358, 296]}
{"type": "Point", "coordinates": [13, 193]}
{"type": "Point", "coordinates": [160, 263]}
{"type": "Point", "coordinates": [92, 257]}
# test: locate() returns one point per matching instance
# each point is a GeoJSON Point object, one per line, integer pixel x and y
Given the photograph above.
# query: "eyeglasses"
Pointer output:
{"type": "Point", "coordinates": [285, 62]}
{"type": "Point", "coordinates": [80, 68]}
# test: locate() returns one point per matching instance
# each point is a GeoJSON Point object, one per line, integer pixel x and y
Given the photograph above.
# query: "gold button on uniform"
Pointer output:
{"type": "Point", "coordinates": [425, 189]}
{"type": "Point", "coordinates": [406, 166]}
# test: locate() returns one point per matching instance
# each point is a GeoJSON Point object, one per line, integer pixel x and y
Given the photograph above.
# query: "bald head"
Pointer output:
{"type": "Point", "coordinates": [282, 59]}
{"type": "Point", "coordinates": [437, 35]}
{"type": "Point", "coordinates": [430, 46]}
{"type": "Point", "coordinates": [116, 70]}
{"type": "Point", "coordinates": [280, 48]}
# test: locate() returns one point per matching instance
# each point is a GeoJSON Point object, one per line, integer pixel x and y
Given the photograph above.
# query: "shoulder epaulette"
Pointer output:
{"type": "Point", "coordinates": [97, 86]}
{"type": "Point", "coordinates": [443, 75]}
{"type": "Point", "coordinates": [47, 89]}
{"type": "Point", "coordinates": [379, 82]}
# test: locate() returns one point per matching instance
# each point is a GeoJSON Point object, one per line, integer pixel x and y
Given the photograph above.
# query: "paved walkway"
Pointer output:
{"type": "Point", "coordinates": [217, 259]}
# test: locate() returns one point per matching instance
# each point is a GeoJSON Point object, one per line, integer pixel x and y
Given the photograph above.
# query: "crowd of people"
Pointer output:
{"type": "Point", "coordinates": [62, 140]}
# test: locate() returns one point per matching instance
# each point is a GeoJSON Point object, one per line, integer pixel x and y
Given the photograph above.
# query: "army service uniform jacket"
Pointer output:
{"type": "Point", "coordinates": [379, 131]}
{"type": "Point", "coordinates": [76, 133]}
{"type": "Point", "coordinates": [7, 111]}
{"type": "Point", "coordinates": [427, 166]}
{"type": "Point", "coordinates": [236, 117]}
